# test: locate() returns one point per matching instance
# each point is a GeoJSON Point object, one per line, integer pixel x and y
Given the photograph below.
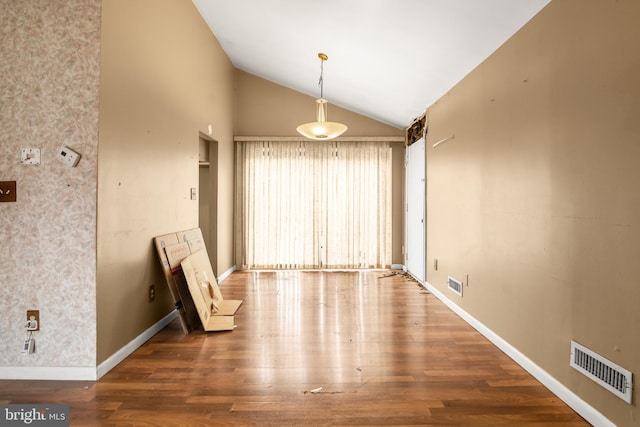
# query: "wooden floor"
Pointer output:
{"type": "Point", "coordinates": [313, 349]}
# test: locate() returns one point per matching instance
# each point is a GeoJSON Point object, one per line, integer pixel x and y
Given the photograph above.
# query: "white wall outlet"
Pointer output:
{"type": "Point", "coordinates": [29, 346]}
{"type": "Point", "coordinates": [30, 156]}
{"type": "Point", "coordinates": [67, 156]}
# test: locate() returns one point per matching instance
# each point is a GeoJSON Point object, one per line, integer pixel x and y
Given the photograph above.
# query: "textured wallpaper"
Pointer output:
{"type": "Point", "coordinates": [49, 77]}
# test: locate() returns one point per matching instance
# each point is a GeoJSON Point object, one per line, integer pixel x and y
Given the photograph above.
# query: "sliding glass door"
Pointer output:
{"type": "Point", "coordinates": [314, 204]}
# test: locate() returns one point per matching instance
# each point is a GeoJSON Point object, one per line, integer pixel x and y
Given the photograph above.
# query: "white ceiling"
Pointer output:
{"type": "Point", "coordinates": [388, 59]}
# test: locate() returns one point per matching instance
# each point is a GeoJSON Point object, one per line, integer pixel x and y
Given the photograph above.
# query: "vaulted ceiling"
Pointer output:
{"type": "Point", "coordinates": [388, 59]}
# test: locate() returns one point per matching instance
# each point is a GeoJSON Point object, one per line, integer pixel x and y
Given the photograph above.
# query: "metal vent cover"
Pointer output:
{"type": "Point", "coordinates": [455, 285]}
{"type": "Point", "coordinates": [601, 370]}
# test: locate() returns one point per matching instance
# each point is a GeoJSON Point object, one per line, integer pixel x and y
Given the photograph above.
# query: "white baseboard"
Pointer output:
{"type": "Point", "coordinates": [133, 345]}
{"type": "Point", "coordinates": [84, 373]}
{"type": "Point", "coordinates": [226, 274]}
{"type": "Point", "coordinates": [585, 410]}
{"type": "Point", "coordinates": [397, 267]}
{"type": "Point", "coordinates": [79, 373]}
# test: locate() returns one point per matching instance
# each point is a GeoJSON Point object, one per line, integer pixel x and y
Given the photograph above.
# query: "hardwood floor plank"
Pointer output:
{"type": "Point", "coordinates": [316, 349]}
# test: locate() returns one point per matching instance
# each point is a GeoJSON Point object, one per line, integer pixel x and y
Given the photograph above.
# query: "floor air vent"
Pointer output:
{"type": "Point", "coordinates": [455, 285]}
{"type": "Point", "coordinates": [606, 373]}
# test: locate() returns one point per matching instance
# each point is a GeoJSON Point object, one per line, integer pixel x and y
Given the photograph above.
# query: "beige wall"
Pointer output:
{"type": "Point", "coordinates": [264, 108]}
{"type": "Point", "coordinates": [268, 109]}
{"type": "Point", "coordinates": [164, 78]}
{"type": "Point", "coordinates": [49, 74]}
{"type": "Point", "coordinates": [537, 197]}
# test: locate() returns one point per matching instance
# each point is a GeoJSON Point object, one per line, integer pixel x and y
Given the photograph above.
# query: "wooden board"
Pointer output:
{"type": "Point", "coordinates": [172, 248]}
{"type": "Point", "coordinates": [216, 313]}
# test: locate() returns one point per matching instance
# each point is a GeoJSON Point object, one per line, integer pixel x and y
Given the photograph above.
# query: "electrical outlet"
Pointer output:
{"type": "Point", "coordinates": [7, 191]}
{"type": "Point", "coordinates": [152, 293]}
{"type": "Point", "coordinates": [33, 320]}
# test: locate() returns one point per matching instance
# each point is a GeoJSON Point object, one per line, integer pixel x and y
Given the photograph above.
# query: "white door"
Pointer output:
{"type": "Point", "coordinates": [415, 196]}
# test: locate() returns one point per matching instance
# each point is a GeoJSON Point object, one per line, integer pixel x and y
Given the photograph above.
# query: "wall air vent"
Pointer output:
{"type": "Point", "coordinates": [606, 373]}
{"type": "Point", "coordinates": [455, 285]}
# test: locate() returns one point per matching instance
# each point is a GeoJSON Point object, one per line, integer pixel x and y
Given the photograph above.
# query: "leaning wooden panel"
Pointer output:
{"type": "Point", "coordinates": [161, 242]}
{"type": "Point", "coordinates": [223, 307]}
{"type": "Point", "coordinates": [172, 249]}
{"type": "Point", "coordinates": [204, 299]}
{"type": "Point", "coordinates": [175, 255]}
{"type": "Point", "coordinates": [205, 293]}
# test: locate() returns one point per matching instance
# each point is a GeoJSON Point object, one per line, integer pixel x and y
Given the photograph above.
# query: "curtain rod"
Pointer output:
{"type": "Point", "coordinates": [298, 138]}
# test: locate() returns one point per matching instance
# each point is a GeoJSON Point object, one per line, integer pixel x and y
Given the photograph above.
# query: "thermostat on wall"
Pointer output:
{"type": "Point", "coordinates": [67, 156]}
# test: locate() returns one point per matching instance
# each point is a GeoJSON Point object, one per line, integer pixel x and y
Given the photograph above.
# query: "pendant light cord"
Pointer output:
{"type": "Point", "coordinates": [320, 82]}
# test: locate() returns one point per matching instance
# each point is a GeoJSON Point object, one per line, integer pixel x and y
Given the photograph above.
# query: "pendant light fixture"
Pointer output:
{"type": "Point", "coordinates": [321, 128]}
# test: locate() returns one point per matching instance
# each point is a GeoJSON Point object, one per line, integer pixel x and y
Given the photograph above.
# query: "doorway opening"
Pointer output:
{"type": "Point", "coordinates": [208, 200]}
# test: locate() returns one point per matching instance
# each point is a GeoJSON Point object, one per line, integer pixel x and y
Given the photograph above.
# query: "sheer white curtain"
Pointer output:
{"type": "Point", "coordinates": [314, 204]}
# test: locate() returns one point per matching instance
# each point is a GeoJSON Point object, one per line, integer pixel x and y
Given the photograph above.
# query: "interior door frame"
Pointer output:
{"type": "Point", "coordinates": [415, 185]}
{"type": "Point", "coordinates": [208, 169]}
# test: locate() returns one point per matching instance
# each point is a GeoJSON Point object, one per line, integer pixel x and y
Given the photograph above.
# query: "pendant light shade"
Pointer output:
{"type": "Point", "coordinates": [321, 128]}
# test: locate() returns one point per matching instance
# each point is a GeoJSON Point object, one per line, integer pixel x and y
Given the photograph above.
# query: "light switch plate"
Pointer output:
{"type": "Point", "coordinates": [30, 156]}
